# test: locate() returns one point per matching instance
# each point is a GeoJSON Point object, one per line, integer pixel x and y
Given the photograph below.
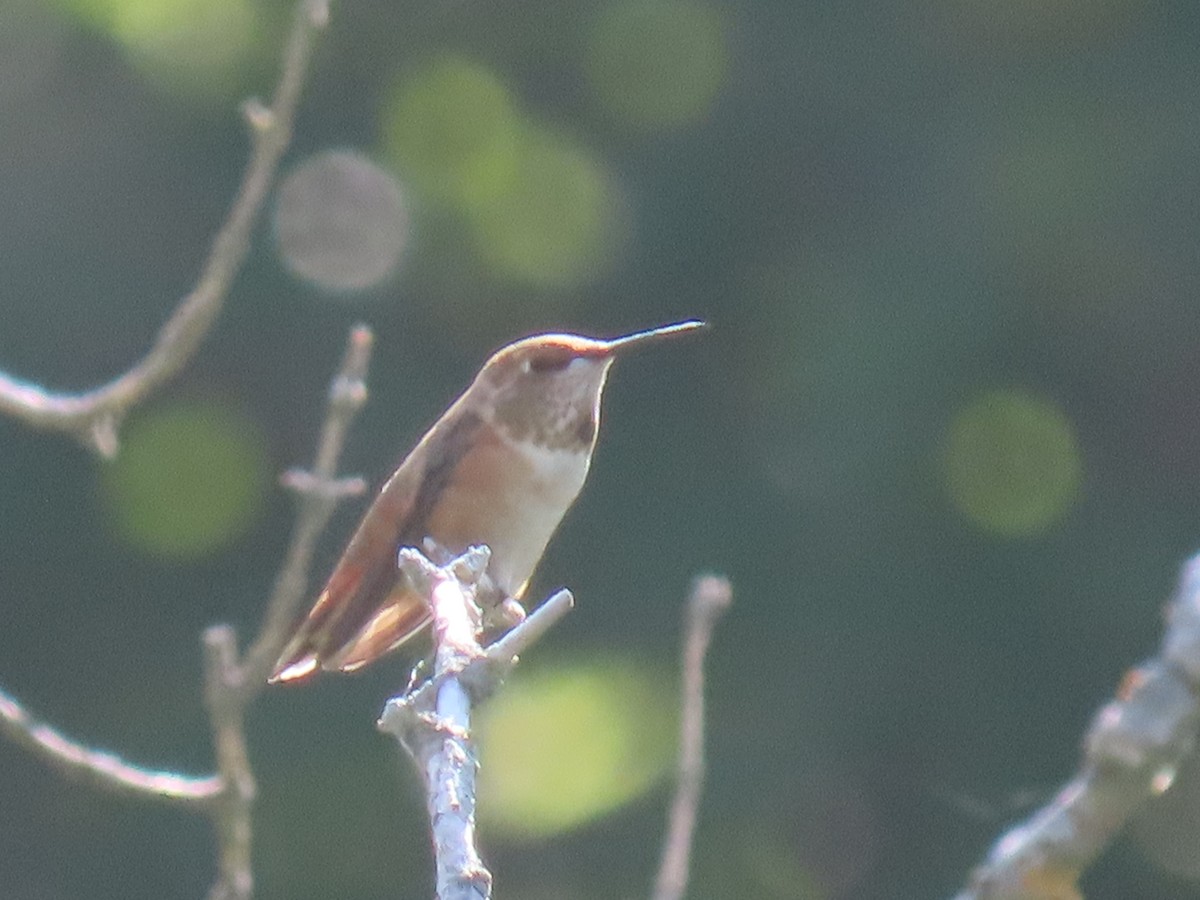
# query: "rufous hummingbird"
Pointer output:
{"type": "Point", "coordinates": [501, 467]}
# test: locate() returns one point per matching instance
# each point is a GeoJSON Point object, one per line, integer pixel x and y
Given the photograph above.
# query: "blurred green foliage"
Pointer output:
{"type": "Point", "coordinates": [189, 479]}
{"type": "Point", "coordinates": [1012, 464]}
{"type": "Point", "coordinates": [453, 128]}
{"type": "Point", "coordinates": [194, 47]}
{"type": "Point", "coordinates": [571, 743]}
{"type": "Point", "coordinates": [538, 206]}
{"type": "Point", "coordinates": [656, 64]}
{"type": "Point", "coordinates": [556, 224]}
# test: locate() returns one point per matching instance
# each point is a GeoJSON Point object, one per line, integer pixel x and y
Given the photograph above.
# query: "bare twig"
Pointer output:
{"type": "Point", "coordinates": [231, 815]}
{"type": "Point", "coordinates": [711, 597]}
{"type": "Point", "coordinates": [501, 656]}
{"type": "Point", "coordinates": [504, 652]}
{"type": "Point", "coordinates": [1131, 753]}
{"type": "Point", "coordinates": [319, 490]}
{"type": "Point", "coordinates": [231, 686]}
{"type": "Point", "coordinates": [98, 768]}
{"type": "Point", "coordinates": [95, 415]}
{"type": "Point", "coordinates": [439, 738]}
{"type": "Point", "coordinates": [433, 721]}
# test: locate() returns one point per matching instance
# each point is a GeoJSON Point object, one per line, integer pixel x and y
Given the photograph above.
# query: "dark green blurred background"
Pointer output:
{"type": "Point", "coordinates": [944, 436]}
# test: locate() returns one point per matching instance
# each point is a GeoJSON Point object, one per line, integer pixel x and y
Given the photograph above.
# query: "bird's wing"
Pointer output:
{"type": "Point", "coordinates": [367, 607]}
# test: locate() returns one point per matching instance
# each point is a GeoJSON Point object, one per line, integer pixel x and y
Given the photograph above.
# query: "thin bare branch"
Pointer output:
{"type": "Point", "coordinates": [98, 768]}
{"type": "Point", "coordinates": [432, 721]}
{"type": "Point", "coordinates": [438, 735]}
{"type": "Point", "coordinates": [319, 491]}
{"type": "Point", "coordinates": [94, 415]}
{"type": "Point", "coordinates": [1131, 754]}
{"type": "Point", "coordinates": [230, 686]}
{"type": "Point", "coordinates": [231, 815]}
{"type": "Point", "coordinates": [711, 596]}
{"type": "Point", "coordinates": [485, 675]}
{"type": "Point", "coordinates": [506, 650]}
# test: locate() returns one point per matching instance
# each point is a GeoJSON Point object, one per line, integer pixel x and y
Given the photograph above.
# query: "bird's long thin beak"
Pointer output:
{"type": "Point", "coordinates": [620, 344]}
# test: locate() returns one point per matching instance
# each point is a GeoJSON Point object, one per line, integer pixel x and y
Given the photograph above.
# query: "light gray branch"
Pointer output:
{"type": "Point", "coordinates": [97, 411]}
{"type": "Point", "coordinates": [98, 768]}
{"type": "Point", "coordinates": [1131, 753]}
{"type": "Point", "coordinates": [319, 491]}
{"type": "Point", "coordinates": [95, 415]}
{"type": "Point", "coordinates": [433, 721]}
{"type": "Point", "coordinates": [711, 597]}
{"type": "Point", "coordinates": [439, 737]}
{"type": "Point", "coordinates": [229, 686]}
{"type": "Point", "coordinates": [232, 813]}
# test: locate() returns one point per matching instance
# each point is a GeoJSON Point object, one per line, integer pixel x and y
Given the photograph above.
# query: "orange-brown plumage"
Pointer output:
{"type": "Point", "coordinates": [500, 467]}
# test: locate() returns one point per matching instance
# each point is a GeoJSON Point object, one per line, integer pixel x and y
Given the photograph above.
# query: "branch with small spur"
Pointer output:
{"type": "Point", "coordinates": [432, 720]}
{"type": "Point", "coordinates": [1131, 754]}
{"type": "Point", "coordinates": [480, 667]}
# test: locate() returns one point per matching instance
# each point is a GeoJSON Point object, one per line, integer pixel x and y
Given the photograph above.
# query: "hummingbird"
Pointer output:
{"type": "Point", "coordinates": [501, 467]}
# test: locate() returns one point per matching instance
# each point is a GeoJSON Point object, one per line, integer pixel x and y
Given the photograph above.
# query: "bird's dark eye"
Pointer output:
{"type": "Point", "coordinates": [549, 362]}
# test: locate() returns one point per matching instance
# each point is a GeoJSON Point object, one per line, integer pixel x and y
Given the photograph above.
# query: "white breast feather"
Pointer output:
{"type": "Point", "coordinates": [535, 507]}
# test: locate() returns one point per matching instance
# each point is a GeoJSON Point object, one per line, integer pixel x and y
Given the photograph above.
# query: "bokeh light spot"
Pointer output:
{"type": "Point", "coordinates": [556, 226]}
{"type": "Point", "coordinates": [570, 744]}
{"type": "Point", "coordinates": [191, 46]}
{"type": "Point", "coordinates": [189, 479]}
{"type": "Point", "coordinates": [1012, 463]}
{"type": "Point", "coordinates": [340, 221]}
{"type": "Point", "coordinates": [656, 64]}
{"type": "Point", "coordinates": [453, 129]}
